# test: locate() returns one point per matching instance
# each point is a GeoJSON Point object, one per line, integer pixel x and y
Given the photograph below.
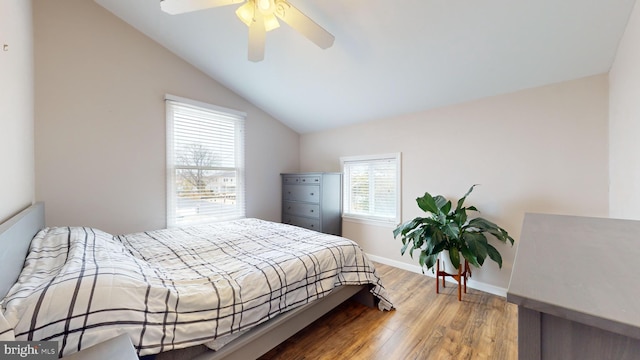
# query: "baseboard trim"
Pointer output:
{"type": "Point", "coordinates": [477, 285]}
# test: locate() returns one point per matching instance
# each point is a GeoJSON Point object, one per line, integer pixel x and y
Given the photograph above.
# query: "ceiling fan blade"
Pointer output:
{"type": "Point", "coordinates": [303, 24]}
{"type": "Point", "coordinates": [257, 35]}
{"type": "Point", "coordinates": [174, 7]}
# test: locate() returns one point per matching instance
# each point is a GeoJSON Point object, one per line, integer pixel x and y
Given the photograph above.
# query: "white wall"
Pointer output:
{"type": "Point", "coordinates": [538, 150]}
{"type": "Point", "coordinates": [624, 123]}
{"type": "Point", "coordinates": [100, 122]}
{"type": "Point", "coordinates": [16, 105]}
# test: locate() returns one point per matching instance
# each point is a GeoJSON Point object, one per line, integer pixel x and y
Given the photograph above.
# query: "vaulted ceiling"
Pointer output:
{"type": "Point", "coordinates": [391, 57]}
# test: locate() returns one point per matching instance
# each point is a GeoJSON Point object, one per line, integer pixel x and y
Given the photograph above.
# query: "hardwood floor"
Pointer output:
{"type": "Point", "coordinates": [424, 325]}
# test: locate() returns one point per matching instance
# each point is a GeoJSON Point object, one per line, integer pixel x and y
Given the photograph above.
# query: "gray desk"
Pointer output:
{"type": "Point", "coordinates": [576, 281]}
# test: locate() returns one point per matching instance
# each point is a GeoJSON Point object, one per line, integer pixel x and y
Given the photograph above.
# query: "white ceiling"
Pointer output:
{"type": "Point", "coordinates": [391, 57]}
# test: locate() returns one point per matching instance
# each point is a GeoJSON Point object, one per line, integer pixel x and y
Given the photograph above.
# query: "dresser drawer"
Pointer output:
{"type": "Point", "coordinates": [311, 224]}
{"type": "Point", "coordinates": [301, 209]}
{"type": "Point", "coordinates": [312, 200]}
{"type": "Point", "coordinates": [301, 180]}
{"type": "Point", "coordinates": [308, 193]}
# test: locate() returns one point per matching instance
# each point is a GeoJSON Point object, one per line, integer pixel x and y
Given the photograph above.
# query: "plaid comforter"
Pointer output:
{"type": "Point", "coordinates": [175, 288]}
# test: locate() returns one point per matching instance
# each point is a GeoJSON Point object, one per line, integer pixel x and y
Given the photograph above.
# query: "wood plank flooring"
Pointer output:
{"type": "Point", "coordinates": [425, 325]}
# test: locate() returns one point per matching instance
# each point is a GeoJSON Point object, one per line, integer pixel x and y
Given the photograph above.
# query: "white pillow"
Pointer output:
{"type": "Point", "coordinates": [6, 330]}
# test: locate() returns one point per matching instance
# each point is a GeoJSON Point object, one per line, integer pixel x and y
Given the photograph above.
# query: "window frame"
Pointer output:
{"type": "Point", "coordinates": [171, 167]}
{"type": "Point", "coordinates": [372, 219]}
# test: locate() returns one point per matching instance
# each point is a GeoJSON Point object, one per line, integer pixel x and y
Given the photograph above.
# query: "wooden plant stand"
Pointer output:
{"type": "Point", "coordinates": [461, 277]}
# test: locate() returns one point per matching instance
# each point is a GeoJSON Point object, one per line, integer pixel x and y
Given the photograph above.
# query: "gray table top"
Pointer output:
{"type": "Point", "coordinates": [580, 268]}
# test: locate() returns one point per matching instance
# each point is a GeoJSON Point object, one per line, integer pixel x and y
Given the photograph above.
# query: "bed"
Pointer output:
{"type": "Point", "coordinates": [238, 287]}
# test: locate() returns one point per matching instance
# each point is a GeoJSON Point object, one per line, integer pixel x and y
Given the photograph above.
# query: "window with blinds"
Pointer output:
{"type": "Point", "coordinates": [372, 188]}
{"type": "Point", "coordinates": [205, 162]}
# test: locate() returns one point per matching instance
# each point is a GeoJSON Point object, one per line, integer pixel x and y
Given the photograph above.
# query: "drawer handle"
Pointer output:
{"type": "Point", "coordinates": [311, 210]}
{"type": "Point", "coordinates": [311, 194]}
{"type": "Point", "coordinates": [304, 180]}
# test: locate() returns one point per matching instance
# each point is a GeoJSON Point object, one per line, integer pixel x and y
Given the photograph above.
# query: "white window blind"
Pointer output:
{"type": "Point", "coordinates": [372, 188]}
{"type": "Point", "coordinates": [205, 163]}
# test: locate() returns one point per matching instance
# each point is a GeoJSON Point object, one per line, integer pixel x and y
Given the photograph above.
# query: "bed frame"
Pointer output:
{"type": "Point", "coordinates": [17, 232]}
{"type": "Point", "coordinates": [15, 237]}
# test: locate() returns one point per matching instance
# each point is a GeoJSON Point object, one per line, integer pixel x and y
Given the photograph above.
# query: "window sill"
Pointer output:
{"type": "Point", "coordinates": [391, 224]}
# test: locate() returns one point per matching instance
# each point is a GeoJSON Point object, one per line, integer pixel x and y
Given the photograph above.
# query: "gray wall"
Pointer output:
{"type": "Point", "coordinates": [537, 150]}
{"type": "Point", "coordinates": [100, 122]}
{"type": "Point", "coordinates": [624, 123]}
{"type": "Point", "coordinates": [16, 105]}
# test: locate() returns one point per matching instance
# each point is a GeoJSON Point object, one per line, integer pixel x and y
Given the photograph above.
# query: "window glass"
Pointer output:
{"type": "Point", "coordinates": [205, 163]}
{"type": "Point", "coordinates": [372, 187]}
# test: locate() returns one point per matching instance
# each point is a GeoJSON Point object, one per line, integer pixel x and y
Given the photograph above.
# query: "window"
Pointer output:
{"type": "Point", "coordinates": [372, 188]}
{"type": "Point", "coordinates": [205, 162]}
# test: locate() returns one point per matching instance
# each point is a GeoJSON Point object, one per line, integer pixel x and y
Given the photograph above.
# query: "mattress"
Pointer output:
{"type": "Point", "coordinates": [179, 287]}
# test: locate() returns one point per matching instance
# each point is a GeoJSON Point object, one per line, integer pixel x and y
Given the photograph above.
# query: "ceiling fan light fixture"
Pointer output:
{"type": "Point", "coordinates": [271, 22]}
{"type": "Point", "coordinates": [260, 16]}
{"type": "Point", "coordinates": [245, 13]}
{"type": "Point", "coordinates": [265, 5]}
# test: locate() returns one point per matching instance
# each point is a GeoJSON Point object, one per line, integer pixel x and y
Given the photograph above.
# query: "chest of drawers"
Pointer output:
{"type": "Point", "coordinates": [313, 201]}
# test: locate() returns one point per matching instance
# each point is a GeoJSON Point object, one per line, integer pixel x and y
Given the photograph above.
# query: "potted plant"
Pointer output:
{"type": "Point", "coordinates": [450, 229]}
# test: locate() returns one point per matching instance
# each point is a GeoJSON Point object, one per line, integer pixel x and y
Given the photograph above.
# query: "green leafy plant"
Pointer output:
{"type": "Point", "coordinates": [450, 229]}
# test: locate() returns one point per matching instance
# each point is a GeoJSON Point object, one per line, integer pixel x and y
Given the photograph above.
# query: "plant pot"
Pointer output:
{"type": "Point", "coordinates": [445, 263]}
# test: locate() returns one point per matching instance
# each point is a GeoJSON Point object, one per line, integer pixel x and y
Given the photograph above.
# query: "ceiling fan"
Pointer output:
{"type": "Point", "coordinates": [260, 16]}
